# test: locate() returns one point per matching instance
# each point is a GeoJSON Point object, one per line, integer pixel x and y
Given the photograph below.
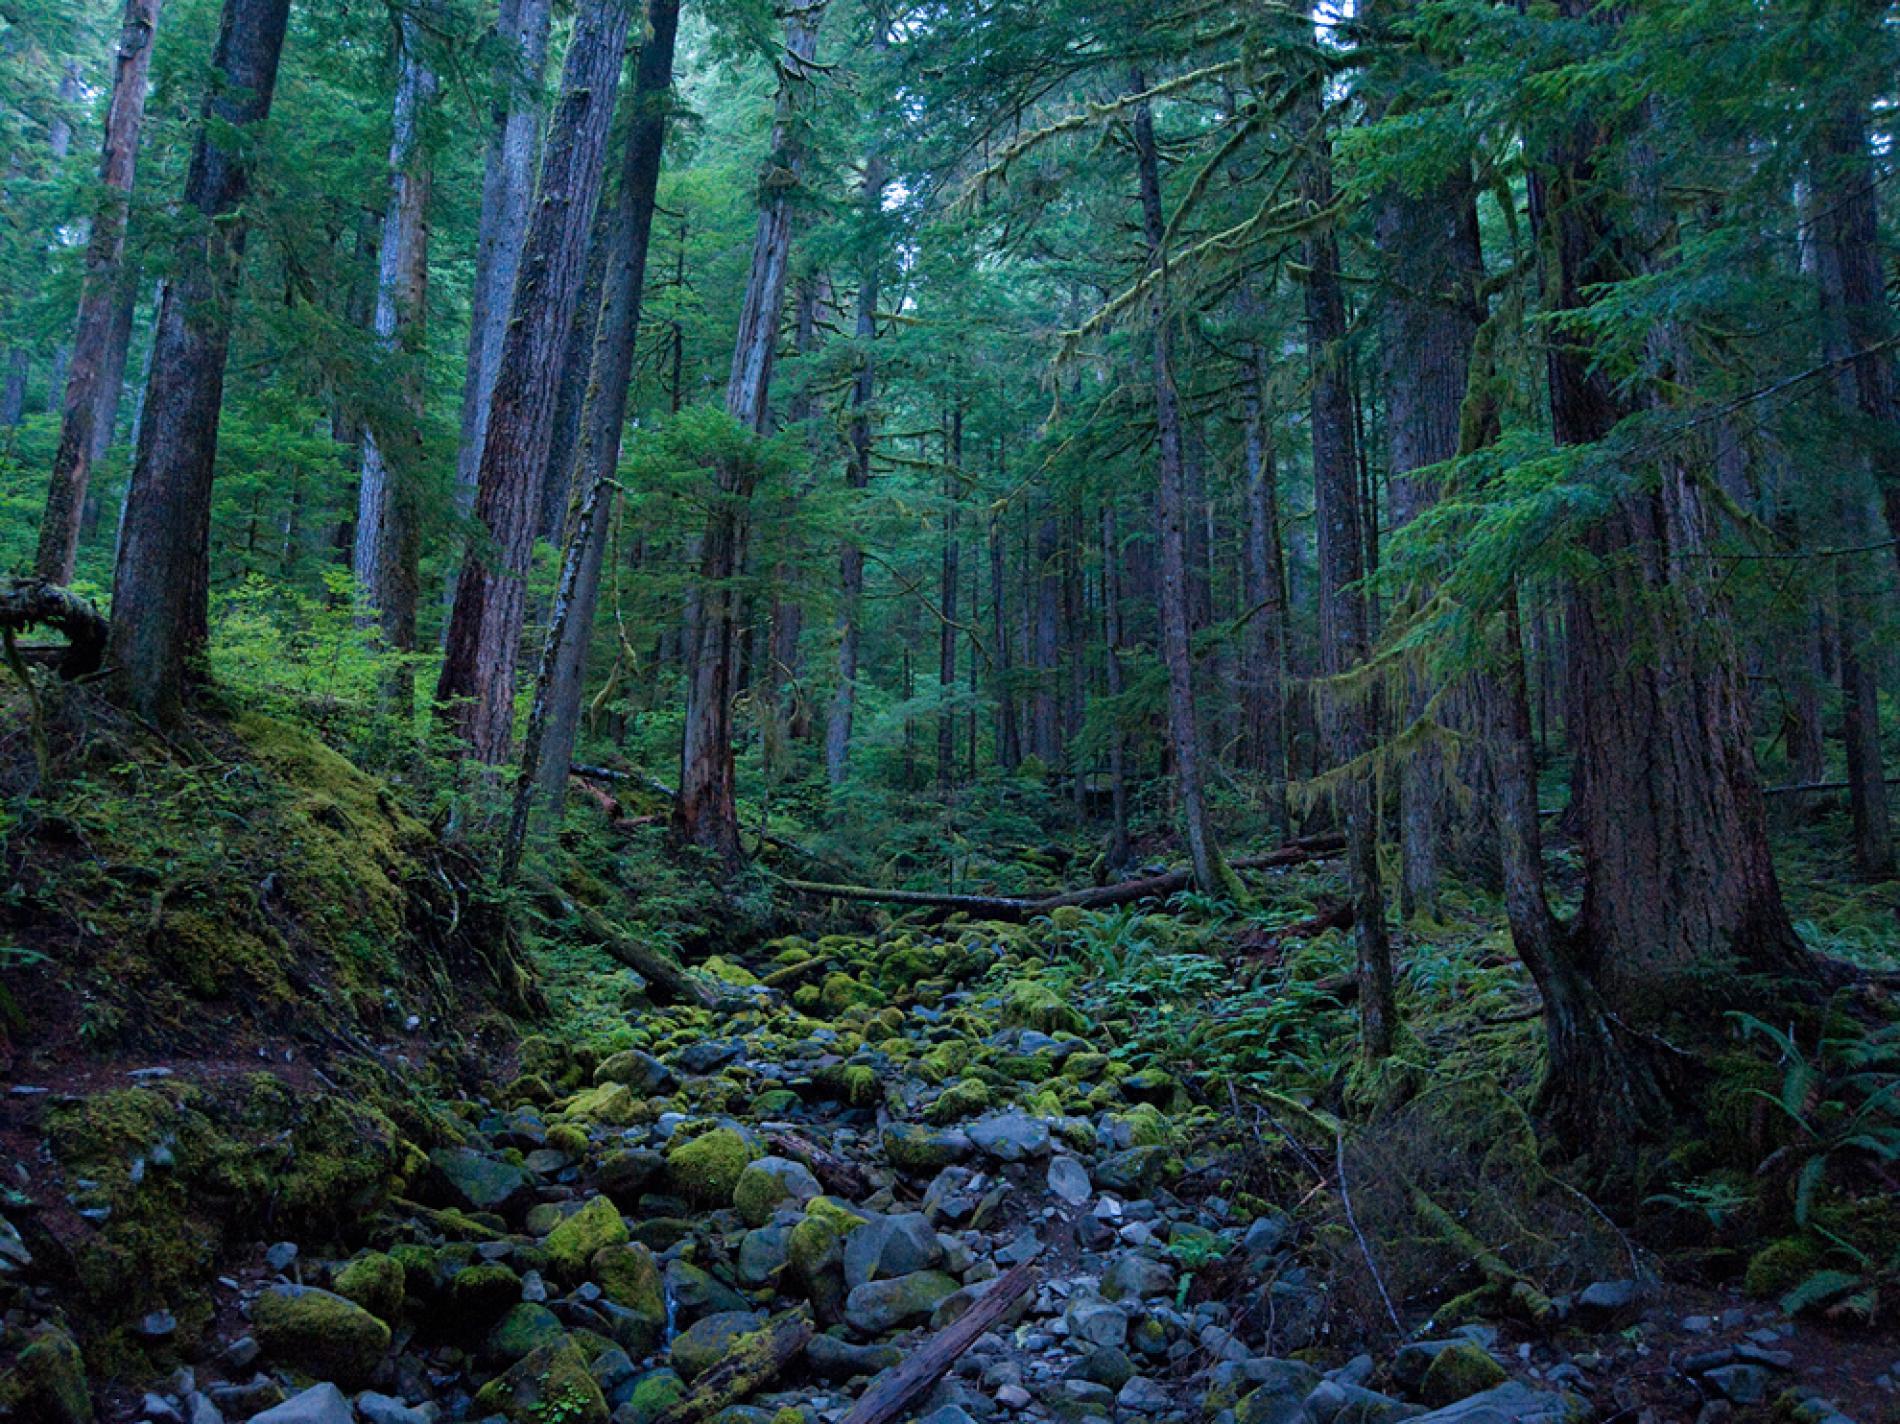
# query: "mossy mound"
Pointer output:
{"type": "Point", "coordinates": [375, 1282]}
{"type": "Point", "coordinates": [551, 1383]}
{"type": "Point", "coordinates": [319, 1333]}
{"type": "Point", "coordinates": [572, 1244]}
{"type": "Point", "coordinates": [707, 1169]}
{"type": "Point", "coordinates": [1458, 1372]}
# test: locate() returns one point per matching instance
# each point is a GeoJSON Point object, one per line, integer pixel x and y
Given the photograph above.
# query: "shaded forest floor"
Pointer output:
{"type": "Point", "coordinates": [261, 1031]}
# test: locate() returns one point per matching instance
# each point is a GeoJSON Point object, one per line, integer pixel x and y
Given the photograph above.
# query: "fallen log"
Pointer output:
{"type": "Point", "coordinates": [34, 603]}
{"type": "Point", "coordinates": [667, 981]}
{"type": "Point", "coordinates": [754, 1361]}
{"type": "Point", "coordinates": [892, 1392]}
{"type": "Point", "coordinates": [1094, 897]}
{"type": "Point", "coordinates": [839, 1177]}
{"type": "Point", "coordinates": [587, 771]}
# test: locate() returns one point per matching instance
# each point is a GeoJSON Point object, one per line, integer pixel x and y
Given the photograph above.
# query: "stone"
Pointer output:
{"type": "Point", "coordinates": [1459, 1371]}
{"type": "Point", "coordinates": [622, 1176]}
{"type": "Point", "coordinates": [386, 1409]}
{"type": "Point", "coordinates": [1511, 1403]}
{"type": "Point", "coordinates": [763, 1253]}
{"type": "Point", "coordinates": [708, 1055]}
{"type": "Point", "coordinates": [479, 1294]}
{"type": "Point", "coordinates": [642, 1072]}
{"type": "Point", "coordinates": [1096, 1322]}
{"type": "Point", "coordinates": [954, 1307]}
{"type": "Point", "coordinates": [1105, 1365]}
{"type": "Point", "coordinates": [375, 1282]}
{"type": "Point", "coordinates": [888, 1246]}
{"type": "Point", "coordinates": [834, 1359]}
{"type": "Point", "coordinates": [1740, 1383]}
{"type": "Point", "coordinates": [650, 1397]}
{"type": "Point", "coordinates": [523, 1330]}
{"type": "Point", "coordinates": [707, 1169]}
{"type": "Point", "coordinates": [706, 1342]}
{"type": "Point", "coordinates": [769, 1183]}
{"type": "Point", "coordinates": [1069, 1181]}
{"type": "Point", "coordinates": [1333, 1403]}
{"type": "Point", "coordinates": [920, 1151]}
{"type": "Point", "coordinates": [1132, 1173]}
{"type": "Point", "coordinates": [1143, 1396]}
{"type": "Point", "coordinates": [1010, 1137]}
{"type": "Point", "coordinates": [280, 1256]}
{"type": "Point", "coordinates": [1265, 1235]}
{"type": "Point", "coordinates": [478, 1183]}
{"type": "Point", "coordinates": [695, 1293]}
{"type": "Point", "coordinates": [1603, 1302]}
{"type": "Point", "coordinates": [877, 1306]}
{"type": "Point", "coordinates": [49, 1380]}
{"type": "Point", "coordinates": [551, 1382]}
{"type": "Point", "coordinates": [1137, 1277]}
{"type": "Point", "coordinates": [575, 1242]}
{"type": "Point", "coordinates": [320, 1333]}
{"type": "Point", "coordinates": [630, 1281]}
{"type": "Point", "coordinates": [1014, 1396]}
{"type": "Point", "coordinates": [320, 1404]}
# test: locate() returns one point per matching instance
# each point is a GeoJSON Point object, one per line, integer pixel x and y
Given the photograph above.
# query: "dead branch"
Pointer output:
{"type": "Point", "coordinates": [33, 603]}
{"type": "Point", "coordinates": [892, 1393]}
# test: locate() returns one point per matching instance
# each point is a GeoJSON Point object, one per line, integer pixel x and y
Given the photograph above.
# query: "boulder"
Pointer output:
{"type": "Point", "coordinates": [469, 1179]}
{"type": "Point", "coordinates": [554, 1377]}
{"type": "Point", "coordinates": [320, 1404]}
{"type": "Point", "coordinates": [887, 1246]}
{"type": "Point", "coordinates": [1069, 1181]}
{"type": "Point", "coordinates": [922, 1151]}
{"type": "Point", "coordinates": [834, 1359]}
{"type": "Point", "coordinates": [1511, 1403]}
{"type": "Point", "coordinates": [1134, 1276]}
{"type": "Point", "coordinates": [1010, 1137]}
{"type": "Point", "coordinates": [877, 1306]}
{"type": "Point", "coordinates": [706, 1342]}
{"type": "Point", "coordinates": [770, 1183]}
{"type": "Point", "coordinates": [320, 1333]}
{"type": "Point", "coordinates": [1459, 1371]}
{"type": "Point", "coordinates": [576, 1241]}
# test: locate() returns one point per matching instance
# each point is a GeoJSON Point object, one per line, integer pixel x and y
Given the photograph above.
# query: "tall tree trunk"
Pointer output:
{"type": "Point", "coordinates": [387, 555]}
{"type": "Point", "coordinates": [1343, 639]}
{"type": "Point", "coordinates": [1678, 875]}
{"type": "Point", "coordinates": [570, 629]}
{"type": "Point", "coordinates": [111, 381]}
{"type": "Point", "coordinates": [1009, 747]}
{"type": "Point", "coordinates": [1264, 638]}
{"type": "Point", "coordinates": [858, 466]}
{"type": "Point", "coordinates": [508, 172]}
{"type": "Point", "coordinates": [1119, 853]}
{"type": "Point", "coordinates": [476, 691]}
{"type": "Point", "coordinates": [706, 810]}
{"type": "Point", "coordinates": [783, 660]}
{"type": "Point", "coordinates": [102, 298]}
{"type": "Point", "coordinates": [160, 587]}
{"type": "Point", "coordinates": [558, 493]}
{"type": "Point", "coordinates": [1046, 709]}
{"type": "Point", "coordinates": [1211, 873]}
{"type": "Point", "coordinates": [948, 596]}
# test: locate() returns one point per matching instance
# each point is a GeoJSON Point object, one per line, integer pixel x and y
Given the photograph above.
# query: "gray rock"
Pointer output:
{"type": "Point", "coordinates": [763, 1253]}
{"type": "Point", "coordinates": [952, 1308]}
{"type": "Point", "coordinates": [877, 1306]}
{"type": "Point", "coordinates": [834, 1359]}
{"type": "Point", "coordinates": [1132, 1172]}
{"type": "Point", "coordinates": [1740, 1383]}
{"type": "Point", "coordinates": [888, 1246]}
{"type": "Point", "coordinates": [948, 1414]}
{"type": "Point", "coordinates": [772, 1182]}
{"type": "Point", "coordinates": [706, 1342]}
{"type": "Point", "coordinates": [1335, 1403]}
{"type": "Point", "coordinates": [1511, 1403]}
{"type": "Point", "coordinates": [320, 1404]}
{"type": "Point", "coordinates": [1014, 1396]}
{"type": "Point", "coordinates": [160, 1410]}
{"type": "Point", "coordinates": [1087, 1392]}
{"type": "Point", "coordinates": [1010, 1137]}
{"type": "Point", "coordinates": [1266, 1235]}
{"type": "Point", "coordinates": [1096, 1322]}
{"type": "Point", "coordinates": [1138, 1277]}
{"type": "Point", "coordinates": [386, 1409]}
{"type": "Point", "coordinates": [708, 1055]}
{"type": "Point", "coordinates": [1605, 1301]}
{"type": "Point", "coordinates": [280, 1256]}
{"type": "Point", "coordinates": [1105, 1365]}
{"type": "Point", "coordinates": [1069, 1180]}
{"type": "Point", "coordinates": [1144, 1396]}
{"type": "Point", "coordinates": [480, 1183]}
{"type": "Point", "coordinates": [13, 1253]}
{"type": "Point", "coordinates": [200, 1410]}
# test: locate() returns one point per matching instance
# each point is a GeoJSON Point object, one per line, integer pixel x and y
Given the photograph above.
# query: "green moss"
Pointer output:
{"type": "Point", "coordinates": [550, 1385]}
{"type": "Point", "coordinates": [48, 1382]}
{"type": "Point", "coordinates": [728, 972]}
{"type": "Point", "coordinates": [840, 992]}
{"type": "Point", "coordinates": [1030, 1003]}
{"type": "Point", "coordinates": [1458, 1372]}
{"type": "Point", "coordinates": [653, 1396]}
{"type": "Point", "coordinates": [612, 1104]}
{"type": "Point", "coordinates": [524, 1329]}
{"type": "Point", "coordinates": [707, 1169]}
{"type": "Point", "coordinates": [374, 1281]}
{"type": "Point", "coordinates": [572, 1244]}
{"type": "Point", "coordinates": [319, 1333]}
{"type": "Point", "coordinates": [565, 1137]}
{"type": "Point", "coordinates": [1782, 1265]}
{"type": "Point", "coordinates": [964, 1099]}
{"type": "Point", "coordinates": [481, 1293]}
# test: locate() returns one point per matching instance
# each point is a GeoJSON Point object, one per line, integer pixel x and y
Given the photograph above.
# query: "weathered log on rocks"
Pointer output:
{"type": "Point", "coordinates": [33, 603]}
{"type": "Point", "coordinates": [839, 1177]}
{"type": "Point", "coordinates": [755, 1361]}
{"type": "Point", "coordinates": [1094, 897]}
{"type": "Point", "coordinates": [891, 1394]}
{"type": "Point", "coordinates": [667, 982]}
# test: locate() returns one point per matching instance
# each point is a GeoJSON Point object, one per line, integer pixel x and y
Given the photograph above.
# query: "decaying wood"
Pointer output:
{"type": "Point", "coordinates": [1095, 897]}
{"type": "Point", "coordinates": [587, 771]}
{"type": "Point", "coordinates": [33, 603]}
{"type": "Point", "coordinates": [839, 1177]}
{"type": "Point", "coordinates": [892, 1393]}
{"type": "Point", "coordinates": [754, 1361]}
{"type": "Point", "coordinates": [667, 982]}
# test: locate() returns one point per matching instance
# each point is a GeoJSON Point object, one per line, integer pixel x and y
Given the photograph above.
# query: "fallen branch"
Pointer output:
{"type": "Point", "coordinates": [667, 982]}
{"type": "Point", "coordinates": [589, 772]}
{"type": "Point", "coordinates": [839, 1177]}
{"type": "Point", "coordinates": [891, 1393]}
{"type": "Point", "coordinates": [1095, 897]}
{"type": "Point", "coordinates": [33, 603]}
{"type": "Point", "coordinates": [754, 1362]}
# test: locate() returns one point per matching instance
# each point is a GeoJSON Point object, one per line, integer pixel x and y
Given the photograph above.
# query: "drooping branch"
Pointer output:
{"type": "Point", "coordinates": [33, 603]}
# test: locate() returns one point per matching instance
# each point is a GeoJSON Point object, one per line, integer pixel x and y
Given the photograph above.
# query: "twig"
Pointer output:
{"type": "Point", "coordinates": [1345, 1200]}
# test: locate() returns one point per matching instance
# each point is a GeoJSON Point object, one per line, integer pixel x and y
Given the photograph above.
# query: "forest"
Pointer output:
{"type": "Point", "coordinates": [968, 711]}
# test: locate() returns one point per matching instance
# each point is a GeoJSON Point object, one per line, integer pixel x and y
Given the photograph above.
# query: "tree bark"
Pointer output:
{"type": "Point", "coordinates": [1264, 639]}
{"type": "Point", "coordinates": [706, 811]}
{"type": "Point", "coordinates": [507, 196]}
{"type": "Point", "coordinates": [554, 728]}
{"type": "Point", "coordinates": [476, 692]}
{"type": "Point", "coordinates": [948, 595]}
{"type": "Point", "coordinates": [1211, 874]}
{"type": "Point", "coordinates": [1009, 746]}
{"type": "Point", "coordinates": [1343, 639]}
{"type": "Point", "coordinates": [93, 371]}
{"type": "Point", "coordinates": [160, 587]}
{"type": "Point", "coordinates": [387, 554]}
{"type": "Point", "coordinates": [559, 494]}
{"type": "Point", "coordinates": [1119, 853]}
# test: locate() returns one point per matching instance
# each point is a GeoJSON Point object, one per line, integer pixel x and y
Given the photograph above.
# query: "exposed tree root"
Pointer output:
{"type": "Point", "coordinates": [32, 603]}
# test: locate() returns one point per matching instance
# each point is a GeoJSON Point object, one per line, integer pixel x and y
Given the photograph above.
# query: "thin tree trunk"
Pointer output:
{"type": "Point", "coordinates": [1046, 709]}
{"type": "Point", "coordinates": [476, 691]}
{"type": "Point", "coordinates": [858, 466]}
{"type": "Point", "coordinates": [387, 555]}
{"type": "Point", "coordinates": [112, 379]}
{"type": "Point", "coordinates": [1343, 638]}
{"type": "Point", "coordinates": [1211, 874]}
{"type": "Point", "coordinates": [92, 369]}
{"type": "Point", "coordinates": [1009, 747]}
{"type": "Point", "coordinates": [558, 493]}
{"type": "Point", "coordinates": [948, 596]}
{"type": "Point", "coordinates": [508, 176]}
{"type": "Point", "coordinates": [159, 599]}
{"type": "Point", "coordinates": [1119, 853]}
{"type": "Point", "coordinates": [1263, 646]}
{"type": "Point", "coordinates": [556, 723]}
{"type": "Point", "coordinates": [706, 811]}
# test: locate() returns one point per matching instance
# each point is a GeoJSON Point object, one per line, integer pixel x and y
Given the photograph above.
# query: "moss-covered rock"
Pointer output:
{"type": "Point", "coordinates": [1458, 1372]}
{"type": "Point", "coordinates": [707, 1169]}
{"type": "Point", "coordinates": [524, 1329]}
{"type": "Point", "coordinates": [551, 1383]}
{"type": "Point", "coordinates": [653, 1394]}
{"type": "Point", "coordinates": [768, 1184]}
{"type": "Point", "coordinates": [1781, 1265]}
{"type": "Point", "coordinates": [919, 1151]}
{"type": "Point", "coordinates": [1030, 1003]}
{"type": "Point", "coordinates": [48, 1382]}
{"type": "Point", "coordinates": [375, 1282]}
{"type": "Point", "coordinates": [320, 1333]}
{"type": "Point", "coordinates": [572, 1244]}
{"type": "Point", "coordinates": [966, 1098]}
{"type": "Point", "coordinates": [708, 1341]}
{"type": "Point", "coordinates": [481, 1293]}
{"type": "Point", "coordinates": [630, 1279]}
